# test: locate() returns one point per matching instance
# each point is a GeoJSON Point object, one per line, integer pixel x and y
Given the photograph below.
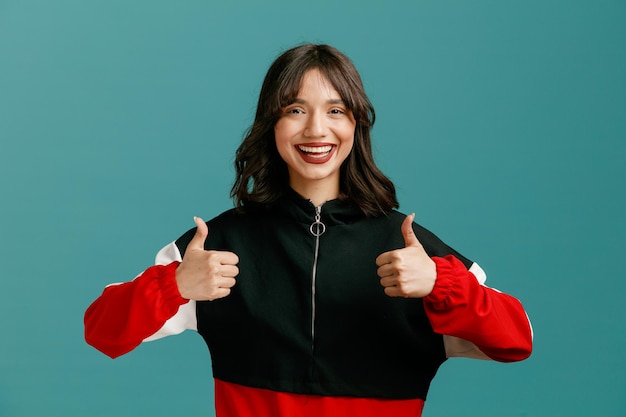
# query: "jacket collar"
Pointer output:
{"type": "Point", "coordinates": [333, 212]}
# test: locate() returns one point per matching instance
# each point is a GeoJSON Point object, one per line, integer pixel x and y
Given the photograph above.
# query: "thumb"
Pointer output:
{"type": "Point", "coordinates": [197, 242]}
{"type": "Point", "coordinates": [407, 231]}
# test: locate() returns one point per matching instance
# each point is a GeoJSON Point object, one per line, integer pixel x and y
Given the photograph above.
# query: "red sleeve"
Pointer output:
{"type": "Point", "coordinates": [460, 306]}
{"type": "Point", "coordinates": [126, 314]}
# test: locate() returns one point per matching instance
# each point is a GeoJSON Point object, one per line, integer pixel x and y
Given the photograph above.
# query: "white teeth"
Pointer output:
{"type": "Point", "coordinates": [315, 149]}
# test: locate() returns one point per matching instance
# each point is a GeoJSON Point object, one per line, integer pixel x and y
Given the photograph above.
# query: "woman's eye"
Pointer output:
{"type": "Point", "coordinates": [294, 111]}
{"type": "Point", "coordinates": [337, 111]}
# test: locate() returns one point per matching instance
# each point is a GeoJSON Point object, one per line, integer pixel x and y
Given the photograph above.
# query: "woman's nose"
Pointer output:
{"type": "Point", "coordinates": [315, 126]}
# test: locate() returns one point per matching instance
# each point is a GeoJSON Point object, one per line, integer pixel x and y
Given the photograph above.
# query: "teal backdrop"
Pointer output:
{"type": "Point", "coordinates": [502, 123]}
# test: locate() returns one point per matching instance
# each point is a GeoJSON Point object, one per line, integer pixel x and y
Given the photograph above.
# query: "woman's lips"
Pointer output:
{"type": "Point", "coordinates": [316, 153]}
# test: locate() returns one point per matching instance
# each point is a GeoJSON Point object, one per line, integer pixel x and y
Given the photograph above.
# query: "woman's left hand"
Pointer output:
{"type": "Point", "coordinates": [408, 272]}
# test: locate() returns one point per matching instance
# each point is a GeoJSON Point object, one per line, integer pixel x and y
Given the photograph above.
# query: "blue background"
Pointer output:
{"type": "Point", "coordinates": [502, 124]}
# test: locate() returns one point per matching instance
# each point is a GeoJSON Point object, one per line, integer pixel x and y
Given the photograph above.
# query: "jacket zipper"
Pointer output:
{"type": "Point", "coordinates": [317, 229]}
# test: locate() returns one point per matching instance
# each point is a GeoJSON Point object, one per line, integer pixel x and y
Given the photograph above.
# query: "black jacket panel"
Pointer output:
{"type": "Point", "coordinates": [349, 338]}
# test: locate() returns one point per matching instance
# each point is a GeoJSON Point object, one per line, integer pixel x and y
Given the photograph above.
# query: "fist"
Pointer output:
{"type": "Point", "coordinates": [205, 275]}
{"type": "Point", "coordinates": [408, 272]}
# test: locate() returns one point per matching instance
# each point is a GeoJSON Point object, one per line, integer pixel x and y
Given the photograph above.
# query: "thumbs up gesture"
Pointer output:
{"type": "Point", "coordinates": [205, 275]}
{"type": "Point", "coordinates": [408, 272]}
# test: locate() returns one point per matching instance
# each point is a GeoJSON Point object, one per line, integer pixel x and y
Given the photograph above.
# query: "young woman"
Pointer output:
{"type": "Point", "coordinates": [314, 296]}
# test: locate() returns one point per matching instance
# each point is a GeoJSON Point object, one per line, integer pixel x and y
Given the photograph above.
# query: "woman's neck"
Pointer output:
{"type": "Point", "coordinates": [317, 192]}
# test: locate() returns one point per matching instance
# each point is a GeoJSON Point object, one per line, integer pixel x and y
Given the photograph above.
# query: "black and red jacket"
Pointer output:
{"type": "Point", "coordinates": [308, 316]}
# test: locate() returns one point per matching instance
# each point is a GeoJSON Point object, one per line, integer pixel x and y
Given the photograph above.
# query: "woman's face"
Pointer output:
{"type": "Point", "coordinates": [314, 135]}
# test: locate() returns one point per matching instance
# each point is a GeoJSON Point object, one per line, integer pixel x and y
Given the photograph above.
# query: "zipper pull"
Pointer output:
{"type": "Point", "coordinates": [317, 228]}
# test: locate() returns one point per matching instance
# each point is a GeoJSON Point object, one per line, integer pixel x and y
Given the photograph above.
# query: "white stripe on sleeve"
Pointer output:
{"type": "Point", "coordinates": [478, 272]}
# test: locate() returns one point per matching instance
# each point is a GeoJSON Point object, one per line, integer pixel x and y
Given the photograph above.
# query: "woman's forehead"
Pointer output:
{"type": "Point", "coordinates": [315, 82]}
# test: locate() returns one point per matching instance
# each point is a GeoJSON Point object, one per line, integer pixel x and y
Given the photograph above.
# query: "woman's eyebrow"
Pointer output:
{"type": "Point", "coordinates": [331, 101]}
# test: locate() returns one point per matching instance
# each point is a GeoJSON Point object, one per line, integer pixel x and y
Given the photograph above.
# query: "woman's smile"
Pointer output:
{"type": "Point", "coordinates": [316, 153]}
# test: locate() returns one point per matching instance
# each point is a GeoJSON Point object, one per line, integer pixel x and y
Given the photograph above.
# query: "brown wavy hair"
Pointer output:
{"type": "Point", "coordinates": [261, 174]}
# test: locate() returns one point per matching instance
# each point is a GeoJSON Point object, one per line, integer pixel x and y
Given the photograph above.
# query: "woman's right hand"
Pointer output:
{"type": "Point", "coordinates": [205, 275]}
